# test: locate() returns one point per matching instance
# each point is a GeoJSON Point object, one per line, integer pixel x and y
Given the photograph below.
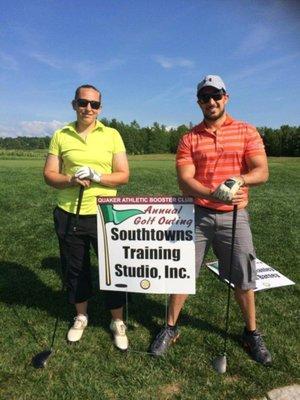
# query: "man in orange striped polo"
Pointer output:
{"type": "Point", "coordinates": [217, 149]}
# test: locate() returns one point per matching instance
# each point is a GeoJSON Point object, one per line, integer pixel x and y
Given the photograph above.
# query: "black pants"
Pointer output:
{"type": "Point", "coordinates": [75, 257]}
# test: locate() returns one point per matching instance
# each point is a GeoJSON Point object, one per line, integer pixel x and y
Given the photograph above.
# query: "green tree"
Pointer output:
{"type": "Point", "coordinates": [175, 136]}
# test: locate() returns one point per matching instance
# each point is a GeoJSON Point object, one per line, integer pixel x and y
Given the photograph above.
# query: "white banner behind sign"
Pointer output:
{"type": "Point", "coordinates": [146, 244]}
{"type": "Point", "coordinates": [267, 277]}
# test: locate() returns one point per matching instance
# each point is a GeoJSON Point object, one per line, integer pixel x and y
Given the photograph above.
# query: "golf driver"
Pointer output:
{"type": "Point", "coordinates": [40, 359]}
{"type": "Point", "coordinates": [220, 363]}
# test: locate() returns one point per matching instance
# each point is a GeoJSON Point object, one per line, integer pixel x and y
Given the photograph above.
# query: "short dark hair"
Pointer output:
{"type": "Point", "coordinates": [86, 87]}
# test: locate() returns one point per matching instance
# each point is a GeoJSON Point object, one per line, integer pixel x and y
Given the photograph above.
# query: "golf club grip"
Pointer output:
{"type": "Point", "coordinates": [234, 217]}
{"type": "Point", "coordinates": [234, 226]}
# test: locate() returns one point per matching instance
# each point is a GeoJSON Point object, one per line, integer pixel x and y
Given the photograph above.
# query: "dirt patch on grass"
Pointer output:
{"type": "Point", "coordinates": [168, 391]}
{"type": "Point", "coordinates": [232, 379]}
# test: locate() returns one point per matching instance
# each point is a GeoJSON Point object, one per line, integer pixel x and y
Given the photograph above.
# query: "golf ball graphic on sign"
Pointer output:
{"type": "Point", "coordinates": [145, 284]}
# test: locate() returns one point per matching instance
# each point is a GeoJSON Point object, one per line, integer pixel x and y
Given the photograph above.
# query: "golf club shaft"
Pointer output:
{"type": "Point", "coordinates": [64, 277]}
{"type": "Point", "coordinates": [81, 190]}
{"type": "Point", "coordinates": [230, 274]}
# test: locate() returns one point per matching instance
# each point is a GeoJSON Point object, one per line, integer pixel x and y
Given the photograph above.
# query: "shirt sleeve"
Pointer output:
{"type": "Point", "coordinates": [119, 146]}
{"type": "Point", "coordinates": [54, 147]}
{"type": "Point", "coordinates": [254, 143]}
{"type": "Point", "coordinates": [184, 151]}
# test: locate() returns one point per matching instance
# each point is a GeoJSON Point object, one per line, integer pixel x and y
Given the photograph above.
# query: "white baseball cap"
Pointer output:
{"type": "Point", "coordinates": [213, 81]}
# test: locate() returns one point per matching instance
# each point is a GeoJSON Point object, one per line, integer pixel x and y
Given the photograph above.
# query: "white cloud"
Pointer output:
{"type": "Point", "coordinates": [84, 68]}
{"type": "Point", "coordinates": [170, 93]}
{"type": "Point", "coordinates": [111, 64]}
{"type": "Point", "coordinates": [261, 67]}
{"type": "Point", "coordinates": [8, 62]}
{"type": "Point", "coordinates": [255, 41]}
{"type": "Point", "coordinates": [88, 69]}
{"type": "Point", "coordinates": [7, 131]}
{"type": "Point", "coordinates": [170, 127]}
{"type": "Point", "coordinates": [31, 128]}
{"type": "Point", "coordinates": [274, 20]}
{"type": "Point", "coordinates": [172, 62]}
{"type": "Point", "coordinates": [46, 59]}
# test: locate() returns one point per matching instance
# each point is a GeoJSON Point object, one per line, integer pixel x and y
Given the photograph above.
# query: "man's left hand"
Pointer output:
{"type": "Point", "coordinates": [228, 189]}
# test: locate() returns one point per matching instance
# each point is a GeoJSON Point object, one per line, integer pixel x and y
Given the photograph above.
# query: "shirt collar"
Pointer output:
{"type": "Point", "coordinates": [72, 126]}
{"type": "Point", "coordinates": [228, 121]}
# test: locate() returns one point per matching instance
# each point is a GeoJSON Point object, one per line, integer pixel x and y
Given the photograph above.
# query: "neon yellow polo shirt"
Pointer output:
{"type": "Point", "coordinates": [96, 152]}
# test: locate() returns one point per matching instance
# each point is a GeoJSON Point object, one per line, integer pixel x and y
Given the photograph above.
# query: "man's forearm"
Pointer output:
{"type": "Point", "coordinates": [192, 187]}
{"type": "Point", "coordinates": [257, 176]}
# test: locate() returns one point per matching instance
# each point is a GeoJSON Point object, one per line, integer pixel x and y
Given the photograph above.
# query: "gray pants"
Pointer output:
{"type": "Point", "coordinates": [214, 228]}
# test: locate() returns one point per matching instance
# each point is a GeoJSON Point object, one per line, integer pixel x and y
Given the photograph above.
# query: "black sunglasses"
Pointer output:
{"type": "Point", "coordinates": [204, 98]}
{"type": "Point", "coordinates": [95, 105]}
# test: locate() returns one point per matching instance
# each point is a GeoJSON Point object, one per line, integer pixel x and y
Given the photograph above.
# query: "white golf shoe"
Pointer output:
{"type": "Point", "coordinates": [118, 329]}
{"type": "Point", "coordinates": [80, 323]}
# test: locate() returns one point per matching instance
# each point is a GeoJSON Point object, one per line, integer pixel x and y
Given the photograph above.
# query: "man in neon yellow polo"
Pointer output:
{"type": "Point", "coordinates": [85, 153]}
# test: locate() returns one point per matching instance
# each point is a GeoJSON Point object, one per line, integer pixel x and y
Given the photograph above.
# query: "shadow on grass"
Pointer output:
{"type": "Point", "coordinates": [145, 311]}
{"type": "Point", "coordinates": [21, 286]}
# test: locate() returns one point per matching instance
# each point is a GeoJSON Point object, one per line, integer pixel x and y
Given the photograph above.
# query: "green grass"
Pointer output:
{"type": "Point", "coordinates": [22, 154]}
{"type": "Point", "coordinates": [30, 299]}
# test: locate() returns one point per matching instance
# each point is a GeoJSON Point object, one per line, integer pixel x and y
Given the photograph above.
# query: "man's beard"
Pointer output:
{"type": "Point", "coordinates": [214, 117]}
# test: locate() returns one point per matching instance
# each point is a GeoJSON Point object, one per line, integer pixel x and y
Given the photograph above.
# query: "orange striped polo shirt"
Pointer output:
{"type": "Point", "coordinates": [219, 156]}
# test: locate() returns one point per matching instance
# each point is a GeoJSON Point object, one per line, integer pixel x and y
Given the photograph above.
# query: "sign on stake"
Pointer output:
{"type": "Point", "coordinates": [266, 277]}
{"type": "Point", "coordinates": [146, 244]}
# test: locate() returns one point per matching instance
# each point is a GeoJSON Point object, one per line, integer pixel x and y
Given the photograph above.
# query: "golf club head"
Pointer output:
{"type": "Point", "coordinates": [220, 364]}
{"type": "Point", "coordinates": [40, 359]}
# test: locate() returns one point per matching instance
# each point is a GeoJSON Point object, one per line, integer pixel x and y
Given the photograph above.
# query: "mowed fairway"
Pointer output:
{"type": "Point", "coordinates": [30, 295]}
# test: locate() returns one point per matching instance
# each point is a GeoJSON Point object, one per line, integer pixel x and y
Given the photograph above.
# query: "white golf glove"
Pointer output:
{"type": "Point", "coordinates": [88, 173]}
{"type": "Point", "coordinates": [228, 189]}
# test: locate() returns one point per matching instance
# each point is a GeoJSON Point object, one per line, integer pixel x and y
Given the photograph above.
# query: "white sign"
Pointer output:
{"type": "Point", "coordinates": [266, 276]}
{"type": "Point", "coordinates": [146, 244]}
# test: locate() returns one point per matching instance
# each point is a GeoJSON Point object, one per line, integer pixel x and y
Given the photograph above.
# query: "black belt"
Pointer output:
{"type": "Point", "coordinates": [73, 214]}
{"type": "Point", "coordinates": [214, 210]}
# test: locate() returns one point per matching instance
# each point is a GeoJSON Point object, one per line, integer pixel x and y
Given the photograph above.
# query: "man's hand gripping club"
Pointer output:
{"type": "Point", "coordinates": [228, 189]}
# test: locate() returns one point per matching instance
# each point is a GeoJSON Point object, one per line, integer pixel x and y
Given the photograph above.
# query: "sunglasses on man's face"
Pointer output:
{"type": "Point", "coordinates": [204, 98]}
{"type": "Point", "coordinates": [95, 105]}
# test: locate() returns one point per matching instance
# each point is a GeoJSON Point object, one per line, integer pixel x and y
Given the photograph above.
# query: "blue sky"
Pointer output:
{"type": "Point", "coordinates": [147, 58]}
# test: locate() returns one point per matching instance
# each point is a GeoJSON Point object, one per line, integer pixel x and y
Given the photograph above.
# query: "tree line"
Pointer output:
{"type": "Point", "coordinates": [284, 141]}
